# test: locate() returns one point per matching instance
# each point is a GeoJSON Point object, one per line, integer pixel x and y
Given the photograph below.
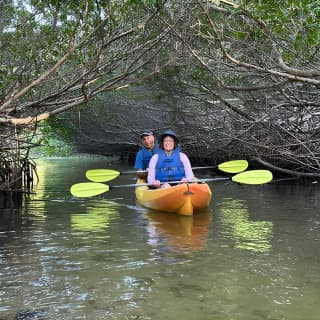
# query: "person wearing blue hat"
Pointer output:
{"type": "Point", "coordinates": [169, 163]}
{"type": "Point", "coordinates": [148, 149]}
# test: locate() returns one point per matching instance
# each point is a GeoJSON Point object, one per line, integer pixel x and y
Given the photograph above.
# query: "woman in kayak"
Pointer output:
{"type": "Point", "coordinates": [169, 164]}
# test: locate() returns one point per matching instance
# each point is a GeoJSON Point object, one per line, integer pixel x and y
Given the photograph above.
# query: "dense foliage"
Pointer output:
{"type": "Point", "coordinates": [232, 77]}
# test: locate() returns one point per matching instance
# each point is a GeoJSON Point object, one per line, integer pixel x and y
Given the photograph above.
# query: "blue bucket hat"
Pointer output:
{"type": "Point", "coordinates": [168, 133]}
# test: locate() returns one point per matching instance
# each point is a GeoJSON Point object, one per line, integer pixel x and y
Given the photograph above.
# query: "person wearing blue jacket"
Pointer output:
{"type": "Point", "coordinates": [148, 149]}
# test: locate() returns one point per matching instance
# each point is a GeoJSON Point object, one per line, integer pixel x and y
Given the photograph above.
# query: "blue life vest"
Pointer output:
{"type": "Point", "coordinates": [169, 168]}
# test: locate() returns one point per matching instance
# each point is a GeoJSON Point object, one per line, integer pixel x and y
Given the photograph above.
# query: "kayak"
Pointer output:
{"type": "Point", "coordinates": [184, 199]}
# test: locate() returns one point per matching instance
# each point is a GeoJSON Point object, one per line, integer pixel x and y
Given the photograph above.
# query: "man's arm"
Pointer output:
{"type": "Point", "coordinates": [138, 164]}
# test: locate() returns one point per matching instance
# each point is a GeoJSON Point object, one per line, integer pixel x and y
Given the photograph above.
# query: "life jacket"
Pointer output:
{"type": "Point", "coordinates": [169, 168]}
{"type": "Point", "coordinates": [147, 155]}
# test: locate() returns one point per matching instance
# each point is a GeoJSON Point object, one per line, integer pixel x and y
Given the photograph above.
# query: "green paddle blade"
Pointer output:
{"type": "Point", "coordinates": [253, 177]}
{"type": "Point", "coordinates": [233, 166]}
{"type": "Point", "coordinates": [88, 189]}
{"type": "Point", "coordinates": [102, 175]}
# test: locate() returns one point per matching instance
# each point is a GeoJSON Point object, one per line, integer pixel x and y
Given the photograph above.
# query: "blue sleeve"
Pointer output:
{"type": "Point", "coordinates": [139, 161]}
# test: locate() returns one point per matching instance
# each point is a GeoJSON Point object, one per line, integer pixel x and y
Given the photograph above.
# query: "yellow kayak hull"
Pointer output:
{"type": "Point", "coordinates": [184, 199]}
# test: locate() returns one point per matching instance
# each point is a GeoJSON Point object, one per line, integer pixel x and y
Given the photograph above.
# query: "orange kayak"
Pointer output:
{"type": "Point", "coordinates": [184, 199]}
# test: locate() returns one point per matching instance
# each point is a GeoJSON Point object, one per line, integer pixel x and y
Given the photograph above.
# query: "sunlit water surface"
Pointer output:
{"type": "Point", "coordinates": [255, 254]}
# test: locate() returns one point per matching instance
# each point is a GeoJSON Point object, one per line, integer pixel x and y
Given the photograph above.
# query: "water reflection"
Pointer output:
{"type": "Point", "coordinates": [105, 258]}
{"type": "Point", "coordinates": [250, 235]}
{"type": "Point", "coordinates": [179, 233]}
{"type": "Point", "coordinates": [95, 218]}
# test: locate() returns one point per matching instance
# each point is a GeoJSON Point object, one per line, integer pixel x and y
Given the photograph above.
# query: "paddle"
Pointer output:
{"type": "Point", "coordinates": [89, 189]}
{"type": "Point", "coordinates": [104, 175]}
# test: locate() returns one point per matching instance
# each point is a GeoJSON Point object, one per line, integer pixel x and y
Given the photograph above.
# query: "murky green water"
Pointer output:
{"type": "Point", "coordinates": [254, 255]}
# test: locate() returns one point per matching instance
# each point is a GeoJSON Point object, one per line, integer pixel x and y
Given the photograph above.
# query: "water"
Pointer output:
{"type": "Point", "coordinates": [253, 255]}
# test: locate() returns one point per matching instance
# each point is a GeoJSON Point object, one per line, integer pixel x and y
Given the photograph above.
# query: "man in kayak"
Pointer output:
{"type": "Point", "coordinates": [169, 164]}
{"type": "Point", "coordinates": [149, 148]}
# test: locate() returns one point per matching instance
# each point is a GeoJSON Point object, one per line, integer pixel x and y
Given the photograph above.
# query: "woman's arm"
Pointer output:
{"type": "Point", "coordinates": [187, 166]}
{"type": "Point", "coordinates": [152, 169]}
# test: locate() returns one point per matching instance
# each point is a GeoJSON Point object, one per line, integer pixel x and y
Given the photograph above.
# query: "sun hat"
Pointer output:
{"type": "Point", "coordinates": [168, 133]}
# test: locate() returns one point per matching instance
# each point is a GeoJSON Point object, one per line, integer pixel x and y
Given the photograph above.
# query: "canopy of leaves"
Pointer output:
{"type": "Point", "coordinates": [235, 71]}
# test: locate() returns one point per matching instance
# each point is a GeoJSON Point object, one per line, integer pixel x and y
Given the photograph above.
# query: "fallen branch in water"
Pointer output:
{"type": "Point", "coordinates": [291, 172]}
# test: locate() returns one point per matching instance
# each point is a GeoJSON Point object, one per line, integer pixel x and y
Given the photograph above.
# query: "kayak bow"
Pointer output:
{"type": "Point", "coordinates": [183, 199]}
